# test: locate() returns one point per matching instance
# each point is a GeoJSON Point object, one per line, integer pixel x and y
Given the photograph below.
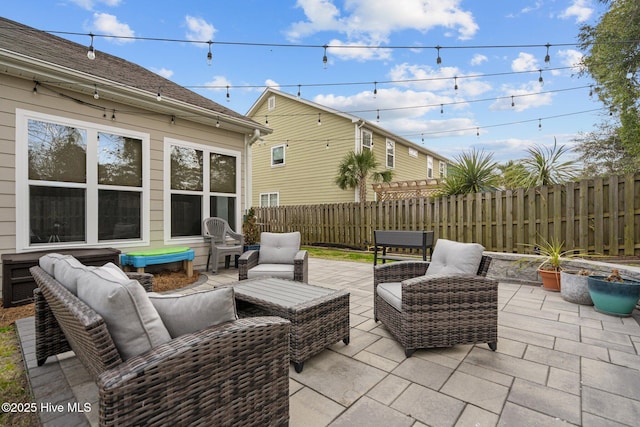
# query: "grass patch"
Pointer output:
{"type": "Point", "coordinates": [13, 382]}
{"type": "Point", "coordinates": [339, 254]}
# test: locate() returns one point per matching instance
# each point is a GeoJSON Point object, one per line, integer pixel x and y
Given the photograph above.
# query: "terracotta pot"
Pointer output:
{"type": "Point", "coordinates": [550, 280]}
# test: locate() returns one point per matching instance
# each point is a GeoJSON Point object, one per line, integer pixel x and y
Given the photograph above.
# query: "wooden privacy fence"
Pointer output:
{"type": "Point", "coordinates": [598, 216]}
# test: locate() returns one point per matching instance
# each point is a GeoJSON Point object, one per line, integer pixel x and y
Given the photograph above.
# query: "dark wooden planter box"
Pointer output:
{"type": "Point", "coordinates": [17, 283]}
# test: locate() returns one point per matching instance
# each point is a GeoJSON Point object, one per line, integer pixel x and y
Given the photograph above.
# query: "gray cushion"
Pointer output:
{"type": "Point", "coordinates": [451, 257]}
{"type": "Point", "coordinates": [48, 261]}
{"type": "Point", "coordinates": [392, 293]}
{"type": "Point", "coordinates": [67, 270]}
{"type": "Point", "coordinates": [283, 271]}
{"type": "Point", "coordinates": [183, 314]}
{"type": "Point", "coordinates": [278, 248]}
{"type": "Point", "coordinates": [133, 322]}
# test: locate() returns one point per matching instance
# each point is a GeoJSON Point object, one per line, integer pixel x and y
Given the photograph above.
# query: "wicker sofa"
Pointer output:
{"type": "Point", "coordinates": [234, 373]}
{"type": "Point", "coordinates": [440, 310]}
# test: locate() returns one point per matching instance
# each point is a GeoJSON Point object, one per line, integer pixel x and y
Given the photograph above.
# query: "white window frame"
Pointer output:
{"type": "Point", "coordinates": [413, 152]}
{"type": "Point", "coordinates": [269, 195]}
{"type": "Point", "coordinates": [92, 187]}
{"type": "Point", "coordinates": [443, 169]}
{"type": "Point", "coordinates": [206, 185]}
{"type": "Point", "coordinates": [390, 145]}
{"type": "Point", "coordinates": [429, 167]}
{"type": "Point", "coordinates": [284, 155]}
{"type": "Point", "coordinates": [363, 146]}
{"type": "Point", "coordinates": [271, 103]}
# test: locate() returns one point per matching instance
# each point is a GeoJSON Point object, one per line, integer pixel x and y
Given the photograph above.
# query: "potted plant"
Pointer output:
{"type": "Point", "coordinates": [251, 231]}
{"type": "Point", "coordinates": [614, 295]}
{"type": "Point", "coordinates": [575, 286]}
{"type": "Point", "coordinates": [549, 269]}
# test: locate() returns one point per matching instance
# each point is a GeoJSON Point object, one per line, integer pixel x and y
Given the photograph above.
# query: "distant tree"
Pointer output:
{"type": "Point", "coordinates": [356, 168]}
{"type": "Point", "coordinates": [544, 166]}
{"type": "Point", "coordinates": [472, 172]}
{"type": "Point", "coordinates": [613, 60]}
{"type": "Point", "coordinates": [602, 153]}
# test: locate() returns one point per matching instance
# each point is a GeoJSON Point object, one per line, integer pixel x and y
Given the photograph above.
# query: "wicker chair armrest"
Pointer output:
{"type": "Point", "coordinates": [430, 291]}
{"type": "Point", "coordinates": [207, 374]}
{"type": "Point", "coordinates": [145, 279]}
{"type": "Point", "coordinates": [246, 262]}
{"type": "Point", "coordinates": [398, 271]}
{"type": "Point", "coordinates": [301, 266]}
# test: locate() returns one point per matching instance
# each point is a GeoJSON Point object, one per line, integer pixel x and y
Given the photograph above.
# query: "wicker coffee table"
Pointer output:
{"type": "Point", "coordinates": [319, 316]}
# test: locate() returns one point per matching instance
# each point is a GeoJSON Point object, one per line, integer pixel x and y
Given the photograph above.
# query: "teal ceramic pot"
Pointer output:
{"type": "Point", "coordinates": [615, 298]}
{"type": "Point", "coordinates": [255, 247]}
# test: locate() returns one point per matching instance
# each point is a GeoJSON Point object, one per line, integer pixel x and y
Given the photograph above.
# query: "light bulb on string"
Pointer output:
{"type": "Point", "coordinates": [547, 57]}
{"type": "Point", "coordinates": [513, 103]}
{"type": "Point", "coordinates": [113, 116]}
{"type": "Point", "coordinates": [438, 59]}
{"type": "Point", "coordinates": [378, 116]}
{"type": "Point", "coordinates": [478, 132]}
{"type": "Point", "coordinates": [540, 79]}
{"type": "Point", "coordinates": [319, 120]}
{"type": "Point", "coordinates": [91, 53]}
{"type": "Point", "coordinates": [539, 124]}
{"type": "Point", "coordinates": [266, 120]}
{"type": "Point", "coordinates": [441, 108]}
{"type": "Point", "coordinates": [375, 89]}
{"type": "Point", "coordinates": [173, 120]}
{"type": "Point", "coordinates": [96, 95]}
{"type": "Point", "coordinates": [324, 57]}
{"type": "Point", "coordinates": [209, 54]}
{"type": "Point", "coordinates": [455, 81]}
{"type": "Point", "coordinates": [228, 95]}
{"type": "Point", "coordinates": [218, 122]}
{"type": "Point", "coordinates": [298, 91]}
{"type": "Point", "coordinates": [590, 91]}
{"type": "Point", "coordinates": [35, 87]}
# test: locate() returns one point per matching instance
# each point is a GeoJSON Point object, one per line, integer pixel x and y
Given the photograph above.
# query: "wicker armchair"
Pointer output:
{"type": "Point", "coordinates": [279, 256]}
{"type": "Point", "coordinates": [440, 310]}
{"type": "Point", "coordinates": [234, 373]}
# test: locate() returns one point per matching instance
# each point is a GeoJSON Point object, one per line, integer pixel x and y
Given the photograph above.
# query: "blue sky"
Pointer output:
{"type": "Point", "coordinates": [493, 50]}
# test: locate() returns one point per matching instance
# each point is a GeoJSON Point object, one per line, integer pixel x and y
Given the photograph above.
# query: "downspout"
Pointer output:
{"type": "Point", "coordinates": [357, 149]}
{"type": "Point", "coordinates": [248, 190]}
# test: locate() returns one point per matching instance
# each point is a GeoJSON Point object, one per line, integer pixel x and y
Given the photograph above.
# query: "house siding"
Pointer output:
{"type": "Point", "coordinates": [308, 175]}
{"type": "Point", "coordinates": [17, 94]}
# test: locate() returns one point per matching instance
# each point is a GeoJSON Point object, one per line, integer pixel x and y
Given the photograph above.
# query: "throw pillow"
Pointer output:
{"type": "Point", "coordinates": [278, 248]}
{"type": "Point", "coordinates": [184, 314]}
{"type": "Point", "coordinates": [133, 322]}
{"type": "Point", "coordinates": [48, 261]}
{"type": "Point", "coordinates": [451, 257]}
{"type": "Point", "coordinates": [67, 270]}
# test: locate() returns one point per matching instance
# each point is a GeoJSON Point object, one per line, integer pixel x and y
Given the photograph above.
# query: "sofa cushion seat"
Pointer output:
{"type": "Point", "coordinates": [186, 313]}
{"type": "Point", "coordinates": [133, 322]}
{"type": "Point", "coordinates": [391, 292]}
{"type": "Point", "coordinates": [451, 258]}
{"type": "Point", "coordinates": [283, 271]}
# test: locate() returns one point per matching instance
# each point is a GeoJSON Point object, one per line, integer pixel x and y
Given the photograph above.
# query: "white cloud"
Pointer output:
{"type": "Point", "coordinates": [525, 96]}
{"type": "Point", "coordinates": [570, 57]}
{"type": "Point", "coordinates": [372, 21]}
{"type": "Point", "coordinates": [272, 84]}
{"type": "Point", "coordinates": [167, 74]}
{"type": "Point", "coordinates": [524, 62]}
{"type": "Point", "coordinates": [89, 4]}
{"type": "Point", "coordinates": [581, 10]}
{"type": "Point", "coordinates": [199, 30]}
{"type": "Point", "coordinates": [478, 59]}
{"type": "Point", "coordinates": [348, 51]}
{"type": "Point", "coordinates": [219, 83]}
{"type": "Point", "coordinates": [105, 23]}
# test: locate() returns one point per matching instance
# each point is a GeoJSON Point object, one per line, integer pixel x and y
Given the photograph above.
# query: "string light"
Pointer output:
{"type": "Point", "coordinates": [173, 120]}
{"type": "Point", "coordinates": [547, 58]}
{"type": "Point", "coordinates": [96, 95]}
{"type": "Point", "coordinates": [375, 89]}
{"type": "Point", "coordinates": [324, 57]}
{"type": "Point", "coordinates": [266, 120]}
{"type": "Point", "coordinates": [378, 116]}
{"type": "Point", "coordinates": [438, 59]}
{"type": "Point", "coordinates": [158, 96]}
{"type": "Point", "coordinates": [218, 122]}
{"type": "Point", "coordinates": [590, 91]}
{"type": "Point", "coordinates": [319, 121]}
{"type": "Point", "coordinates": [35, 87]}
{"type": "Point", "coordinates": [91, 53]}
{"type": "Point", "coordinates": [228, 96]}
{"type": "Point", "coordinates": [298, 91]}
{"type": "Point", "coordinates": [113, 116]}
{"type": "Point", "coordinates": [441, 108]}
{"type": "Point", "coordinates": [513, 103]}
{"type": "Point", "coordinates": [540, 79]}
{"type": "Point", "coordinates": [478, 132]}
{"type": "Point", "coordinates": [539, 124]}
{"type": "Point", "coordinates": [455, 80]}
{"type": "Point", "coordinates": [209, 54]}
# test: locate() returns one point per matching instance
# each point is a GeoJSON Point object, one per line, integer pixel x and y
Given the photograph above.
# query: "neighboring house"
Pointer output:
{"type": "Point", "coordinates": [104, 153]}
{"type": "Point", "coordinates": [298, 163]}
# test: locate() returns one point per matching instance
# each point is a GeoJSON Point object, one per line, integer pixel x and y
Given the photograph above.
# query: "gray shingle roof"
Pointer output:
{"type": "Point", "coordinates": [42, 46]}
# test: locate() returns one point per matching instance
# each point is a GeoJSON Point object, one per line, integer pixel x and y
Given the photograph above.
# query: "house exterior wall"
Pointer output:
{"type": "Point", "coordinates": [17, 94]}
{"type": "Point", "coordinates": [308, 175]}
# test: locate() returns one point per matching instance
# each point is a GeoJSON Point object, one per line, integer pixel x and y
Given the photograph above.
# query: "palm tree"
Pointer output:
{"type": "Point", "coordinates": [354, 170]}
{"type": "Point", "coordinates": [544, 166]}
{"type": "Point", "coordinates": [473, 172]}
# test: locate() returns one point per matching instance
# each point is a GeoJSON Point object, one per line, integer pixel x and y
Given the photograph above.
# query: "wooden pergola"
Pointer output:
{"type": "Point", "coordinates": [414, 188]}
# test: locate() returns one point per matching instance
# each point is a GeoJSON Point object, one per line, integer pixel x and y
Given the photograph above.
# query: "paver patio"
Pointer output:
{"type": "Point", "coordinates": [557, 363]}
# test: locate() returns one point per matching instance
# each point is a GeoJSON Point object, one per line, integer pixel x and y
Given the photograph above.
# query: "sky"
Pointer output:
{"type": "Point", "coordinates": [382, 60]}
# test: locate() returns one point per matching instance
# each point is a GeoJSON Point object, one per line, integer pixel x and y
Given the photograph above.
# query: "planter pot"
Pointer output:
{"type": "Point", "coordinates": [616, 298]}
{"type": "Point", "coordinates": [575, 288]}
{"type": "Point", "coordinates": [550, 280]}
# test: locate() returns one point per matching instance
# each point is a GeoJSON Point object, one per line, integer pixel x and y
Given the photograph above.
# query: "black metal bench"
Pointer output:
{"type": "Point", "coordinates": [384, 239]}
